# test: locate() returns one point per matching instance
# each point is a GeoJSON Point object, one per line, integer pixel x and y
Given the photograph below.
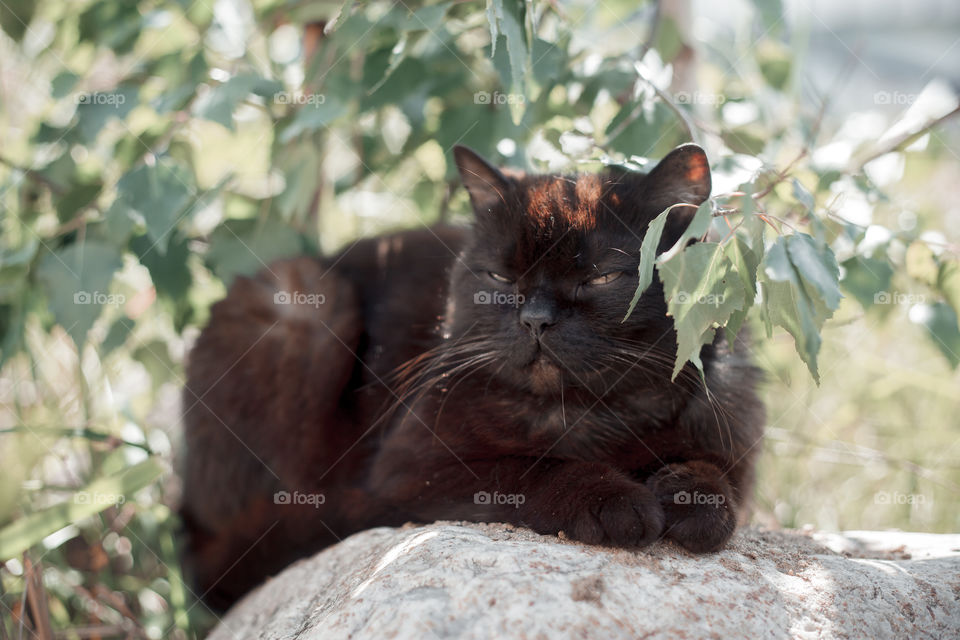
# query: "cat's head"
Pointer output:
{"type": "Point", "coordinates": [551, 266]}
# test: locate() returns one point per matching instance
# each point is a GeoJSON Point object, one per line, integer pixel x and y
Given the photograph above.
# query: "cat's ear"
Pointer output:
{"type": "Point", "coordinates": [484, 182]}
{"type": "Point", "coordinates": [682, 176]}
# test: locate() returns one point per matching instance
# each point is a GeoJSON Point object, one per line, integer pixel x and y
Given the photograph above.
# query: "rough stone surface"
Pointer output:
{"type": "Point", "coordinates": [460, 580]}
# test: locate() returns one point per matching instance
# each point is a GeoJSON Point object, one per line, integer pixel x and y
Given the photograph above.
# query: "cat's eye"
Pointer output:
{"type": "Point", "coordinates": [606, 278]}
{"type": "Point", "coordinates": [499, 278]}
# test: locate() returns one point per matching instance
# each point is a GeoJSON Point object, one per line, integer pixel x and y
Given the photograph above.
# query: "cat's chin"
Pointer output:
{"type": "Point", "coordinates": [544, 376]}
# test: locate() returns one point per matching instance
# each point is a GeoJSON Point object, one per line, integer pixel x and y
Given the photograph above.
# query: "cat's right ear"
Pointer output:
{"type": "Point", "coordinates": [484, 182]}
{"type": "Point", "coordinates": [682, 176]}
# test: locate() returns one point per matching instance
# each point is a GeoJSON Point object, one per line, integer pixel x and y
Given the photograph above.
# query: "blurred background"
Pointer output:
{"type": "Point", "coordinates": [152, 151]}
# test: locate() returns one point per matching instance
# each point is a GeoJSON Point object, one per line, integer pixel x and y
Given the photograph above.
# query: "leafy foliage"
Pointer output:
{"type": "Point", "coordinates": [155, 151]}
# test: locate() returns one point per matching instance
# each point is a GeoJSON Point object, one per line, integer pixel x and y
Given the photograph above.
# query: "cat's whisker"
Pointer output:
{"type": "Point", "coordinates": [655, 355]}
{"type": "Point", "coordinates": [480, 361]}
{"type": "Point", "coordinates": [429, 369]}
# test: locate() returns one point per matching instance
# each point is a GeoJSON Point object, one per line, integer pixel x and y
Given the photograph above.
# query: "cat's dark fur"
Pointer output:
{"type": "Point", "coordinates": [448, 365]}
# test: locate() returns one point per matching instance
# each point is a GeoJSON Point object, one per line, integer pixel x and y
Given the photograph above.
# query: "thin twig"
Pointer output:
{"type": "Point", "coordinates": [3, 625]}
{"type": "Point", "coordinates": [37, 600]}
{"type": "Point", "coordinates": [904, 140]}
{"type": "Point", "coordinates": [34, 175]}
{"type": "Point", "coordinates": [781, 176]}
{"type": "Point", "coordinates": [93, 631]}
{"type": "Point", "coordinates": [76, 222]}
{"type": "Point", "coordinates": [654, 30]}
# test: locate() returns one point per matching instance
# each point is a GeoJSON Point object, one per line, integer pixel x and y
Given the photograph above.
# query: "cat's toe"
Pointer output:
{"type": "Point", "coordinates": [706, 530]}
{"type": "Point", "coordinates": [630, 518]}
{"type": "Point", "coordinates": [700, 514]}
{"type": "Point", "coordinates": [633, 520]}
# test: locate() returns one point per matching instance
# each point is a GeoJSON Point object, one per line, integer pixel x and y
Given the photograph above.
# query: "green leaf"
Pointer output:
{"type": "Point", "coordinates": [745, 262]}
{"type": "Point", "coordinates": [15, 17]}
{"type": "Point", "coordinates": [117, 335]}
{"type": "Point", "coordinates": [243, 247]}
{"type": "Point", "coordinates": [494, 24]}
{"type": "Point", "coordinates": [471, 125]}
{"type": "Point", "coordinates": [940, 321]}
{"type": "Point", "coordinates": [429, 18]}
{"type": "Point", "coordinates": [800, 292]}
{"type": "Point", "coordinates": [62, 84]}
{"type": "Point", "coordinates": [669, 39]}
{"type": "Point", "coordinates": [695, 229]}
{"type": "Point", "coordinates": [14, 268]}
{"type": "Point", "coordinates": [702, 291]}
{"type": "Point", "coordinates": [817, 266]}
{"type": "Point", "coordinates": [395, 56]}
{"type": "Point", "coordinates": [771, 13]}
{"type": "Point", "coordinates": [312, 116]}
{"type": "Point", "coordinates": [158, 195]}
{"type": "Point", "coordinates": [118, 223]}
{"type": "Point", "coordinates": [395, 84]}
{"type": "Point", "coordinates": [174, 99]}
{"type": "Point", "coordinates": [948, 282]}
{"type": "Point", "coordinates": [864, 278]}
{"type": "Point", "coordinates": [219, 103]}
{"type": "Point", "coordinates": [169, 271]}
{"type": "Point", "coordinates": [651, 133]}
{"type": "Point", "coordinates": [648, 253]}
{"type": "Point", "coordinates": [803, 195]}
{"type": "Point", "coordinates": [155, 358]}
{"type": "Point", "coordinates": [507, 17]}
{"type": "Point", "coordinates": [775, 62]}
{"type": "Point", "coordinates": [345, 10]}
{"type": "Point", "coordinates": [96, 109]}
{"type": "Point", "coordinates": [301, 167]}
{"type": "Point", "coordinates": [61, 171]}
{"type": "Point", "coordinates": [77, 280]}
{"type": "Point", "coordinates": [651, 241]}
{"type": "Point", "coordinates": [80, 196]}
{"type": "Point", "coordinates": [548, 61]}
{"type": "Point", "coordinates": [94, 498]}
{"type": "Point", "coordinates": [112, 25]}
{"type": "Point", "coordinates": [13, 322]}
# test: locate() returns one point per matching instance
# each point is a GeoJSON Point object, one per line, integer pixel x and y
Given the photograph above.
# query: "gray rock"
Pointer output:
{"type": "Point", "coordinates": [461, 580]}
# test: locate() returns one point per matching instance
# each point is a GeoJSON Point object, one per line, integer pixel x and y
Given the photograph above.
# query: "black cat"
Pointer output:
{"type": "Point", "coordinates": [483, 374]}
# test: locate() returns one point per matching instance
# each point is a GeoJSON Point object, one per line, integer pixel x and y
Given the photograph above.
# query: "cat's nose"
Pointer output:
{"type": "Point", "coordinates": [536, 315]}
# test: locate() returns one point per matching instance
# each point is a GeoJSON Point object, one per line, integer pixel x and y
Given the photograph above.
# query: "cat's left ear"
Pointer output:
{"type": "Point", "coordinates": [484, 182]}
{"type": "Point", "coordinates": [682, 176]}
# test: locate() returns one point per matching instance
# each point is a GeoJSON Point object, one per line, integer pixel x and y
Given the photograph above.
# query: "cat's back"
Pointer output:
{"type": "Point", "coordinates": [401, 280]}
{"type": "Point", "coordinates": [300, 348]}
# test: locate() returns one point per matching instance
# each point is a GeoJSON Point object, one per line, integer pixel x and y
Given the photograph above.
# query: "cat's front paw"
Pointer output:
{"type": "Point", "coordinates": [698, 504]}
{"type": "Point", "coordinates": [619, 516]}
